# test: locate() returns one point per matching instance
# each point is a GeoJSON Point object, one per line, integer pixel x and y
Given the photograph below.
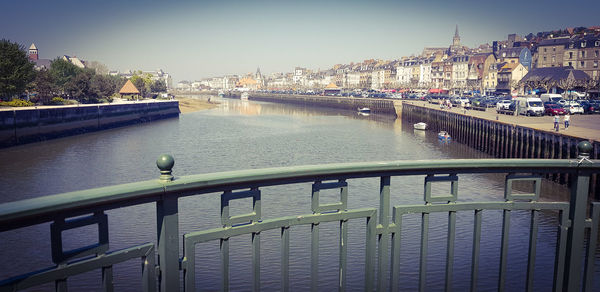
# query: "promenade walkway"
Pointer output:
{"type": "Point", "coordinates": [582, 126]}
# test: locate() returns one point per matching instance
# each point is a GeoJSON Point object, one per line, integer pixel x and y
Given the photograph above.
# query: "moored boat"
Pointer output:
{"type": "Point", "coordinates": [244, 96]}
{"type": "Point", "coordinates": [444, 136]}
{"type": "Point", "coordinates": [364, 110]}
{"type": "Point", "coordinates": [420, 126]}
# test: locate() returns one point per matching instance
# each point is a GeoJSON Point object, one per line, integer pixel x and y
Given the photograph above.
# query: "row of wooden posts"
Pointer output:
{"type": "Point", "coordinates": [504, 140]}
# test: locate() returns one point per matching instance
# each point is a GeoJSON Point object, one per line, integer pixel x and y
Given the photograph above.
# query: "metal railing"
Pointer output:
{"type": "Point", "coordinates": [383, 241]}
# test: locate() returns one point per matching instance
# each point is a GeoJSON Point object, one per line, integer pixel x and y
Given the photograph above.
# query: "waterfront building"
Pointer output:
{"type": "Point", "coordinates": [551, 78]}
{"type": "Point", "coordinates": [479, 66]}
{"type": "Point", "coordinates": [583, 53]}
{"type": "Point", "coordinates": [490, 78]}
{"type": "Point", "coordinates": [34, 56]}
{"type": "Point", "coordinates": [460, 71]}
{"type": "Point", "coordinates": [183, 85]}
{"type": "Point", "coordinates": [425, 72]}
{"type": "Point", "coordinates": [509, 75]}
{"type": "Point", "coordinates": [353, 78]}
{"type": "Point", "coordinates": [550, 52]}
{"type": "Point", "coordinates": [448, 74]}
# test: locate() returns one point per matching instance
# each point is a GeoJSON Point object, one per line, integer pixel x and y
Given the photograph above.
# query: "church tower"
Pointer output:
{"type": "Point", "coordinates": [456, 39]}
{"type": "Point", "coordinates": [33, 53]}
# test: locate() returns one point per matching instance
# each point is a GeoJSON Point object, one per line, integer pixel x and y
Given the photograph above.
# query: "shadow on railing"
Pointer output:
{"type": "Point", "coordinates": [383, 241]}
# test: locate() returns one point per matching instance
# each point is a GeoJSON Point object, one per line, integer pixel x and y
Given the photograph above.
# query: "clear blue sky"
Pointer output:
{"type": "Point", "coordinates": [197, 39]}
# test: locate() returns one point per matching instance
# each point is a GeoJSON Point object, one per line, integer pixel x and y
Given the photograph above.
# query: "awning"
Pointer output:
{"type": "Point", "coordinates": [437, 90]}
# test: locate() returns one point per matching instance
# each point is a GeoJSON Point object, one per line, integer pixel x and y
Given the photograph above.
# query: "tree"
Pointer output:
{"type": "Point", "coordinates": [81, 87]}
{"type": "Point", "coordinates": [142, 82]}
{"type": "Point", "coordinates": [158, 86]}
{"type": "Point", "coordinates": [16, 71]}
{"type": "Point", "coordinates": [62, 72]}
{"type": "Point", "coordinates": [44, 86]}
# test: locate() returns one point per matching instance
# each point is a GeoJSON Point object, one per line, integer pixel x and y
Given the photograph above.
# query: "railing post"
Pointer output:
{"type": "Point", "coordinates": [577, 215]}
{"type": "Point", "coordinates": [168, 231]}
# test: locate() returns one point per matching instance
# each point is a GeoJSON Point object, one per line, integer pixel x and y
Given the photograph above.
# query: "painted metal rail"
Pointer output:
{"type": "Point", "coordinates": [163, 266]}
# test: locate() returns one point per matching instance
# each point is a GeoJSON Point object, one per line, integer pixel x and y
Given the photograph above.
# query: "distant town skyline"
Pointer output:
{"type": "Point", "coordinates": [197, 39]}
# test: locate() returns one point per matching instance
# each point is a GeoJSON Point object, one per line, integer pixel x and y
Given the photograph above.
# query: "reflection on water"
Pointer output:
{"type": "Point", "coordinates": [247, 134]}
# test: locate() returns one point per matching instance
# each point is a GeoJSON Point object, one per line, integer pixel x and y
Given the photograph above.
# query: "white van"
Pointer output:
{"type": "Point", "coordinates": [551, 97]}
{"type": "Point", "coordinates": [529, 106]}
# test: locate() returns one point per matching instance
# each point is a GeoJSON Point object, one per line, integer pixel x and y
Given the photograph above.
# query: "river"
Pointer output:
{"type": "Point", "coordinates": [243, 135]}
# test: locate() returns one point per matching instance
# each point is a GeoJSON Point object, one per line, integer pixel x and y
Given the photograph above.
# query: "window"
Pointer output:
{"type": "Point", "coordinates": [570, 55]}
{"type": "Point", "coordinates": [544, 50]}
{"type": "Point", "coordinates": [571, 64]}
{"type": "Point", "coordinates": [583, 44]}
{"type": "Point", "coordinates": [554, 49]}
{"type": "Point", "coordinates": [582, 64]}
{"type": "Point", "coordinates": [544, 58]}
{"type": "Point", "coordinates": [583, 54]}
{"type": "Point", "coordinates": [595, 64]}
{"type": "Point", "coordinates": [597, 53]}
{"type": "Point", "coordinates": [597, 44]}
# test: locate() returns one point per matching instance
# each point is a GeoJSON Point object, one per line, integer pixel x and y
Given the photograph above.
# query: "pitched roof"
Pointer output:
{"type": "Point", "coordinates": [331, 86]}
{"type": "Point", "coordinates": [555, 74]}
{"type": "Point", "coordinates": [32, 47]}
{"type": "Point", "coordinates": [129, 88]}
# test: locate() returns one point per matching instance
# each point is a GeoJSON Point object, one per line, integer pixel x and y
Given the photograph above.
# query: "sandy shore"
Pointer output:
{"type": "Point", "coordinates": [187, 104]}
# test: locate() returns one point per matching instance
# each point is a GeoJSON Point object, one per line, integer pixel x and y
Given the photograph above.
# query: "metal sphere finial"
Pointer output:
{"type": "Point", "coordinates": [165, 163]}
{"type": "Point", "coordinates": [584, 148]}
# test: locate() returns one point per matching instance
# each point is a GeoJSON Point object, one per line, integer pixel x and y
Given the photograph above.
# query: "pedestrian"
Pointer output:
{"type": "Point", "coordinates": [567, 120]}
{"type": "Point", "coordinates": [556, 122]}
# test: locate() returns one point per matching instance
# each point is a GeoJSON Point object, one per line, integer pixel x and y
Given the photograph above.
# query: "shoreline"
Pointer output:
{"type": "Point", "coordinates": [189, 105]}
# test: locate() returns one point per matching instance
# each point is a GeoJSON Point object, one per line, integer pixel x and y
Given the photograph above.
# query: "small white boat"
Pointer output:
{"type": "Point", "coordinates": [420, 126]}
{"type": "Point", "coordinates": [221, 93]}
{"type": "Point", "coordinates": [444, 136]}
{"type": "Point", "coordinates": [364, 110]}
{"type": "Point", "coordinates": [244, 96]}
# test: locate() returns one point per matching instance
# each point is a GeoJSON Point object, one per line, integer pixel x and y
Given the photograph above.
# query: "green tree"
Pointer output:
{"type": "Point", "coordinates": [62, 72]}
{"type": "Point", "coordinates": [158, 86]}
{"type": "Point", "coordinates": [16, 71]}
{"type": "Point", "coordinates": [81, 88]}
{"type": "Point", "coordinates": [142, 82]}
{"type": "Point", "coordinates": [44, 86]}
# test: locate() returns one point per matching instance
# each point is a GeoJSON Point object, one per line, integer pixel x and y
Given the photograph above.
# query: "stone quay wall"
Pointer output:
{"type": "Point", "coordinates": [26, 125]}
{"type": "Point", "coordinates": [505, 140]}
{"type": "Point", "coordinates": [377, 106]}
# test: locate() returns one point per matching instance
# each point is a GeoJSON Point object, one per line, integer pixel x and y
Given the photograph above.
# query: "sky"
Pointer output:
{"type": "Point", "coordinates": [192, 40]}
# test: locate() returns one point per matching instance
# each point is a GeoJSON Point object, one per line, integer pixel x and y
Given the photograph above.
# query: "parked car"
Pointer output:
{"type": "Point", "coordinates": [589, 107]}
{"type": "Point", "coordinates": [552, 109]}
{"type": "Point", "coordinates": [573, 108]}
{"type": "Point", "coordinates": [503, 104]}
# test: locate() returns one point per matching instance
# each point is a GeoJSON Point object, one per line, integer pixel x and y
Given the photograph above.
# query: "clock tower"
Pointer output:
{"type": "Point", "coordinates": [33, 53]}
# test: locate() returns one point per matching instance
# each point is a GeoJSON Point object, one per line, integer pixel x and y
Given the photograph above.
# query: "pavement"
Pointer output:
{"type": "Point", "coordinates": [582, 126]}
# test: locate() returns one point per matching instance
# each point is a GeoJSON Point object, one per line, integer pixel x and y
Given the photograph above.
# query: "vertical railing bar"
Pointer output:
{"type": "Point", "coordinates": [370, 251]}
{"type": "Point", "coordinates": [504, 249]}
{"type": "Point", "coordinates": [384, 238]}
{"type": "Point", "coordinates": [168, 243]}
{"type": "Point", "coordinates": [314, 258]}
{"type": "Point", "coordinates": [576, 235]}
{"type": "Point", "coordinates": [107, 279]}
{"type": "Point", "coordinates": [423, 254]}
{"type": "Point", "coordinates": [189, 267]}
{"type": "Point", "coordinates": [148, 272]}
{"type": "Point", "coordinates": [561, 250]}
{"type": "Point", "coordinates": [343, 254]}
{"type": "Point", "coordinates": [532, 249]}
{"type": "Point", "coordinates": [60, 285]}
{"type": "Point", "coordinates": [395, 269]}
{"type": "Point", "coordinates": [285, 259]}
{"type": "Point", "coordinates": [256, 261]}
{"type": "Point", "coordinates": [476, 248]}
{"type": "Point", "coordinates": [225, 264]}
{"type": "Point", "coordinates": [591, 248]}
{"type": "Point", "coordinates": [450, 249]}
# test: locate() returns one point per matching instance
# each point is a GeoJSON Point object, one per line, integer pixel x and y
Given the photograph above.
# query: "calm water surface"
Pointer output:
{"type": "Point", "coordinates": [243, 135]}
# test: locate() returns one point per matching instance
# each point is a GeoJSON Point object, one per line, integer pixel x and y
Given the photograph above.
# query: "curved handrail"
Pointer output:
{"type": "Point", "coordinates": [43, 209]}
